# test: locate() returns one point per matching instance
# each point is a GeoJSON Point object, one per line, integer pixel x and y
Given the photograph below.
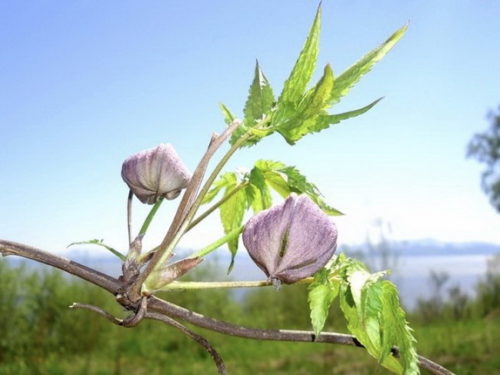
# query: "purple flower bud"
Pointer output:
{"type": "Point", "coordinates": [155, 173]}
{"type": "Point", "coordinates": [292, 240]}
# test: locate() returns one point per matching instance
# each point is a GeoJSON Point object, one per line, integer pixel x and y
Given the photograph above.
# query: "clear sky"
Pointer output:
{"type": "Point", "coordinates": [84, 84]}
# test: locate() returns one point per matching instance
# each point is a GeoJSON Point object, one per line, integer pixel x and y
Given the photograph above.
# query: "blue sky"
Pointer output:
{"type": "Point", "coordinates": [87, 83]}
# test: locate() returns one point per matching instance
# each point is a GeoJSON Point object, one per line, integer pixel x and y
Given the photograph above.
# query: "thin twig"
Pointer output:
{"type": "Point", "coordinates": [97, 310]}
{"type": "Point", "coordinates": [196, 337]}
{"type": "Point", "coordinates": [136, 318]}
{"type": "Point", "coordinates": [129, 322]}
{"type": "Point", "coordinates": [163, 318]}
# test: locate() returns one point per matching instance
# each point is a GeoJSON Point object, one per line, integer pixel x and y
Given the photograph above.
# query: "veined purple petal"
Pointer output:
{"type": "Point", "coordinates": [154, 173]}
{"type": "Point", "coordinates": [291, 241]}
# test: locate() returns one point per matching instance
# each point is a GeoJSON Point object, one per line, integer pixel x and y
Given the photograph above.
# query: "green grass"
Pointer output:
{"type": "Point", "coordinates": [40, 335]}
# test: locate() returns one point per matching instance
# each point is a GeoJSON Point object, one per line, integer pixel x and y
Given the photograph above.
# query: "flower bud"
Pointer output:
{"type": "Point", "coordinates": [291, 241]}
{"type": "Point", "coordinates": [159, 278]}
{"type": "Point", "coordinates": [155, 173]}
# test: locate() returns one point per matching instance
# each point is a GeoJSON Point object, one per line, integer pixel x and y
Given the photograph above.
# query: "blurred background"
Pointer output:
{"type": "Point", "coordinates": [85, 84]}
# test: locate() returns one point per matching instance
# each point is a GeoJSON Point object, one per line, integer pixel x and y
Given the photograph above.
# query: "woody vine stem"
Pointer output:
{"type": "Point", "coordinates": [166, 312]}
{"type": "Point", "coordinates": [291, 242]}
{"type": "Point", "coordinates": [169, 311]}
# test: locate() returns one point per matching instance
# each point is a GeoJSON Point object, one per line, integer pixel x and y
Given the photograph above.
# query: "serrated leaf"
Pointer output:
{"type": "Point", "coordinates": [226, 180]}
{"type": "Point", "coordinates": [298, 183]}
{"type": "Point", "coordinates": [278, 183]}
{"type": "Point", "coordinates": [327, 209]}
{"type": "Point", "coordinates": [352, 75]}
{"type": "Point", "coordinates": [260, 98]}
{"type": "Point", "coordinates": [232, 212]}
{"type": "Point", "coordinates": [259, 103]}
{"type": "Point", "coordinates": [286, 179]}
{"type": "Point", "coordinates": [322, 293]}
{"type": "Point", "coordinates": [326, 120]}
{"type": "Point", "coordinates": [301, 74]}
{"type": "Point", "coordinates": [263, 198]}
{"type": "Point", "coordinates": [316, 99]}
{"type": "Point", "coordinates": [228, 116]}
{"type": "Point", "coordinates": [323, 121]}
{"type": "Point", "coordinates": [397, 329]}
{"type": "Point", "coordinates": [102, 244]}
{"type": "Point", "coordinates": [358, 324]}
{"type": "Point", "coordinates": [310, 107]}
{"type": "Point", "coordinates": [371, 307]}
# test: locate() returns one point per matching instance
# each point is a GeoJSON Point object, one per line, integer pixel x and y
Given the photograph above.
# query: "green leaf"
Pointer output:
{"type": "Point", "coordinates": [274, 178]}
{"type": "Point", "coordinates": [226, 180]}
{"type": "Point", "coordinates": [352, 75]}
{"type": "Point", "coordinates": [259, 103]}
{"type": "Point", "coordinates": [310, 107]}
{"type": "Point", "coordinates": [316, 99]}
{"type": "Point", "coordinates": [322, 293]}
{"type": "Point", "coordinates": [326, 120]}
{"type": "Point", "coordinates": [100, 243]}
{"type": "Point", "coordinates": [228, 116]}
{"type": "Point", "coordinates": [301, 74]}
{"type": "Point", "coordinates": [397, 328]}
{"type": "Point", "coordinates": [299, 184]}
{"type": "Point", "coordinates": [278, 183]}
{"type": "Point", "coordinates": [372, 310]}
{"type": "Point", "coordinates": [231, 214]}
{"type": "Point", "coordinates": [262, 196]}
{"type": "Point", "coordinates": [323, 121]}
{"type": "Point", "coordinates": [260, 98]}
{"type": "Point", "coordinates": [286, 179]}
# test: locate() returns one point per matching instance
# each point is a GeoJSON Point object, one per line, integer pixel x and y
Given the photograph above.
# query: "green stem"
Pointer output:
{"type": "Point", "coordinates": [166, 254]}
{"type": "Point", "coordinates": [216, 205]}
{"type": "Point", "coordinates": [182, 229]}
{"type": "Point", "coordinates": [224, 284]}
{"type": "Point", "coordinates": [129, 215]}
{"type": "Point", "coordinates": [215, 245]}
{"type": "Point", "coordinates": [150, 217]}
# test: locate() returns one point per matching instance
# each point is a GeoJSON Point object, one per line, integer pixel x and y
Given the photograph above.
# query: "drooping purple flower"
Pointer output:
{"type": "Point", "coordinates": [155, 173]}
{"type": "Point", "coordinates": [292, 240]}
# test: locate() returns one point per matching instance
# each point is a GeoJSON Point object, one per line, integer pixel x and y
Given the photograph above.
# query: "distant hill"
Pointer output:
{"type": "Point", "coordinates": [433, 248]}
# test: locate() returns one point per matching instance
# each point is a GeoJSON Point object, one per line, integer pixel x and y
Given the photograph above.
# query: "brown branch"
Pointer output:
{"type": "Point", "coordinates": [221, 368]}
{"type": "Point", "coordinates": [95, 277]}
{"type": "Point", "coordinates": [84, 306]}
{"type": "Point", "coordinates": [171, 310]}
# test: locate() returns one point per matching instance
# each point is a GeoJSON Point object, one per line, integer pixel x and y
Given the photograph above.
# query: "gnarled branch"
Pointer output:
{"type": "Point", "coordinates": [170, 310]}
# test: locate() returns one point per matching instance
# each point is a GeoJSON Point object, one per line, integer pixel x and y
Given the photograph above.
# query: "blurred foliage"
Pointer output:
{"type": "Point", "coordinates": [453, 304]}
{"type": "Point", "coordinates": [40, 335]}
{"type": "Point", "coordinates": [486, 148]}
